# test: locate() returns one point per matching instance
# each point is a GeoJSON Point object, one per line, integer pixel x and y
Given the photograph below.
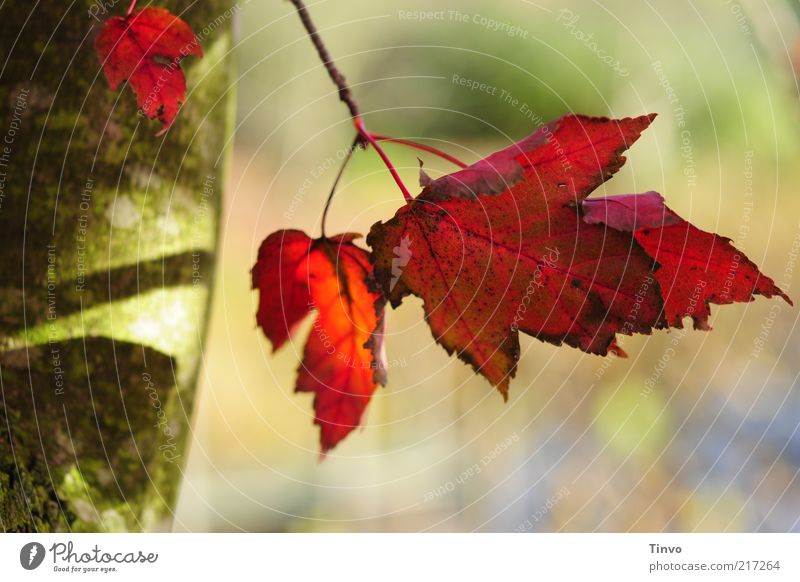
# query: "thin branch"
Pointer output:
{"type": "Point", "coordinates": [336, 76]}
{"type": "Point", "coordinates": [131, 7]}
{"type": "Point", "coordinates": [421, 146]}
{"type": "Point", "coordinates": [336, 180]}
{"type": "Point", "coordinates": [374, 143]}
{"type": "Point", "coordinates": [364, 136]}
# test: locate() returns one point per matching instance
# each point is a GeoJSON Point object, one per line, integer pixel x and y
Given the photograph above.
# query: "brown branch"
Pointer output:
{"type": "Point", "coordinates": [336, 76]}
{"type": "Point", "coordinates": [364, 137]}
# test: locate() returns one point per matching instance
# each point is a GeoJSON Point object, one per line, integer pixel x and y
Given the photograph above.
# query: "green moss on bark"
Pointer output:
{"type": "Point", "coordinates": [96, 210]}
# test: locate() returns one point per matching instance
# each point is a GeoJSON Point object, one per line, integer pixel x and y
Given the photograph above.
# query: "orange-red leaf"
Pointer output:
{"type": "Point", "coordinates": [503, 246]}
{"type": "Point", "coordinates": [145, 49]}
{"type": "Point", "coordinates": [343, 357]}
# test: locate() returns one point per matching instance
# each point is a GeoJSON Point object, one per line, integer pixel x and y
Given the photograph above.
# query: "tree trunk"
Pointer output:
{"type": "Point", "coordinates": [109, 234]}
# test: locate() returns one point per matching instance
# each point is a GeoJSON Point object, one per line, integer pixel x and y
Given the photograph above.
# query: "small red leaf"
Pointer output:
{"type": "Point", "coordinates": [343, 358]}
{"type": "Point", "coordinates": [145, 49]}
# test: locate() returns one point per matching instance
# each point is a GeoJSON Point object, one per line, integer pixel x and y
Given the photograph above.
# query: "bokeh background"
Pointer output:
{"type": "Point", "coordinates": [694, 432]}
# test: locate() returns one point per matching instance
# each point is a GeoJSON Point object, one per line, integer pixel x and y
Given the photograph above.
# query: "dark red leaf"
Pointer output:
{"type": "Point", "coordinates": [503, 246]}
{"type": "Point", "coordinates": [145, 49]}
{"type": "Point", "coordinates": [343, 358]}
{"type": "Point", "coordinates": [694, 267]}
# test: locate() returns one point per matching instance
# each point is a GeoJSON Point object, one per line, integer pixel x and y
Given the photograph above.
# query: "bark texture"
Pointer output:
{"type": "Point", "coordinates": [108, 238]}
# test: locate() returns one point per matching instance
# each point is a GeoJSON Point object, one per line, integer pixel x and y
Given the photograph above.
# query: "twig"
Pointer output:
{"type": "Point", "coordinates": [336, 180]}
{"type": "Point", "coordinates": [336, 76]}
{"type": "Point", "coordinates": [344, 92]}
{"type": "Point", "coordinates": [421, 146]}
{"type": "Point", "coordinates": [374, 143]}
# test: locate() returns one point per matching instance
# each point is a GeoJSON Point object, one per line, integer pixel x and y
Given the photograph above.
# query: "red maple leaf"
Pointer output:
{"type": "Point", "coordinates": [503, 245]}
{"type": "Point", "coordinates": [693, 267]}
{"type": "Point", "coordinates": [343, 359]}
{"type": "Point", "coordinates": [145, 48]}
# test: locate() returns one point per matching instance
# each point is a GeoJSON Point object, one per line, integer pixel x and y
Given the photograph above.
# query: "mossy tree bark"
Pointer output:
{"type": "Point", "coordinates": [108, 237]}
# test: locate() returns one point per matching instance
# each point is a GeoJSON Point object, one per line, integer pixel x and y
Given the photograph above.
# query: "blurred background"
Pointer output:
{"type": "Point", "coordinates": [694, 432]}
